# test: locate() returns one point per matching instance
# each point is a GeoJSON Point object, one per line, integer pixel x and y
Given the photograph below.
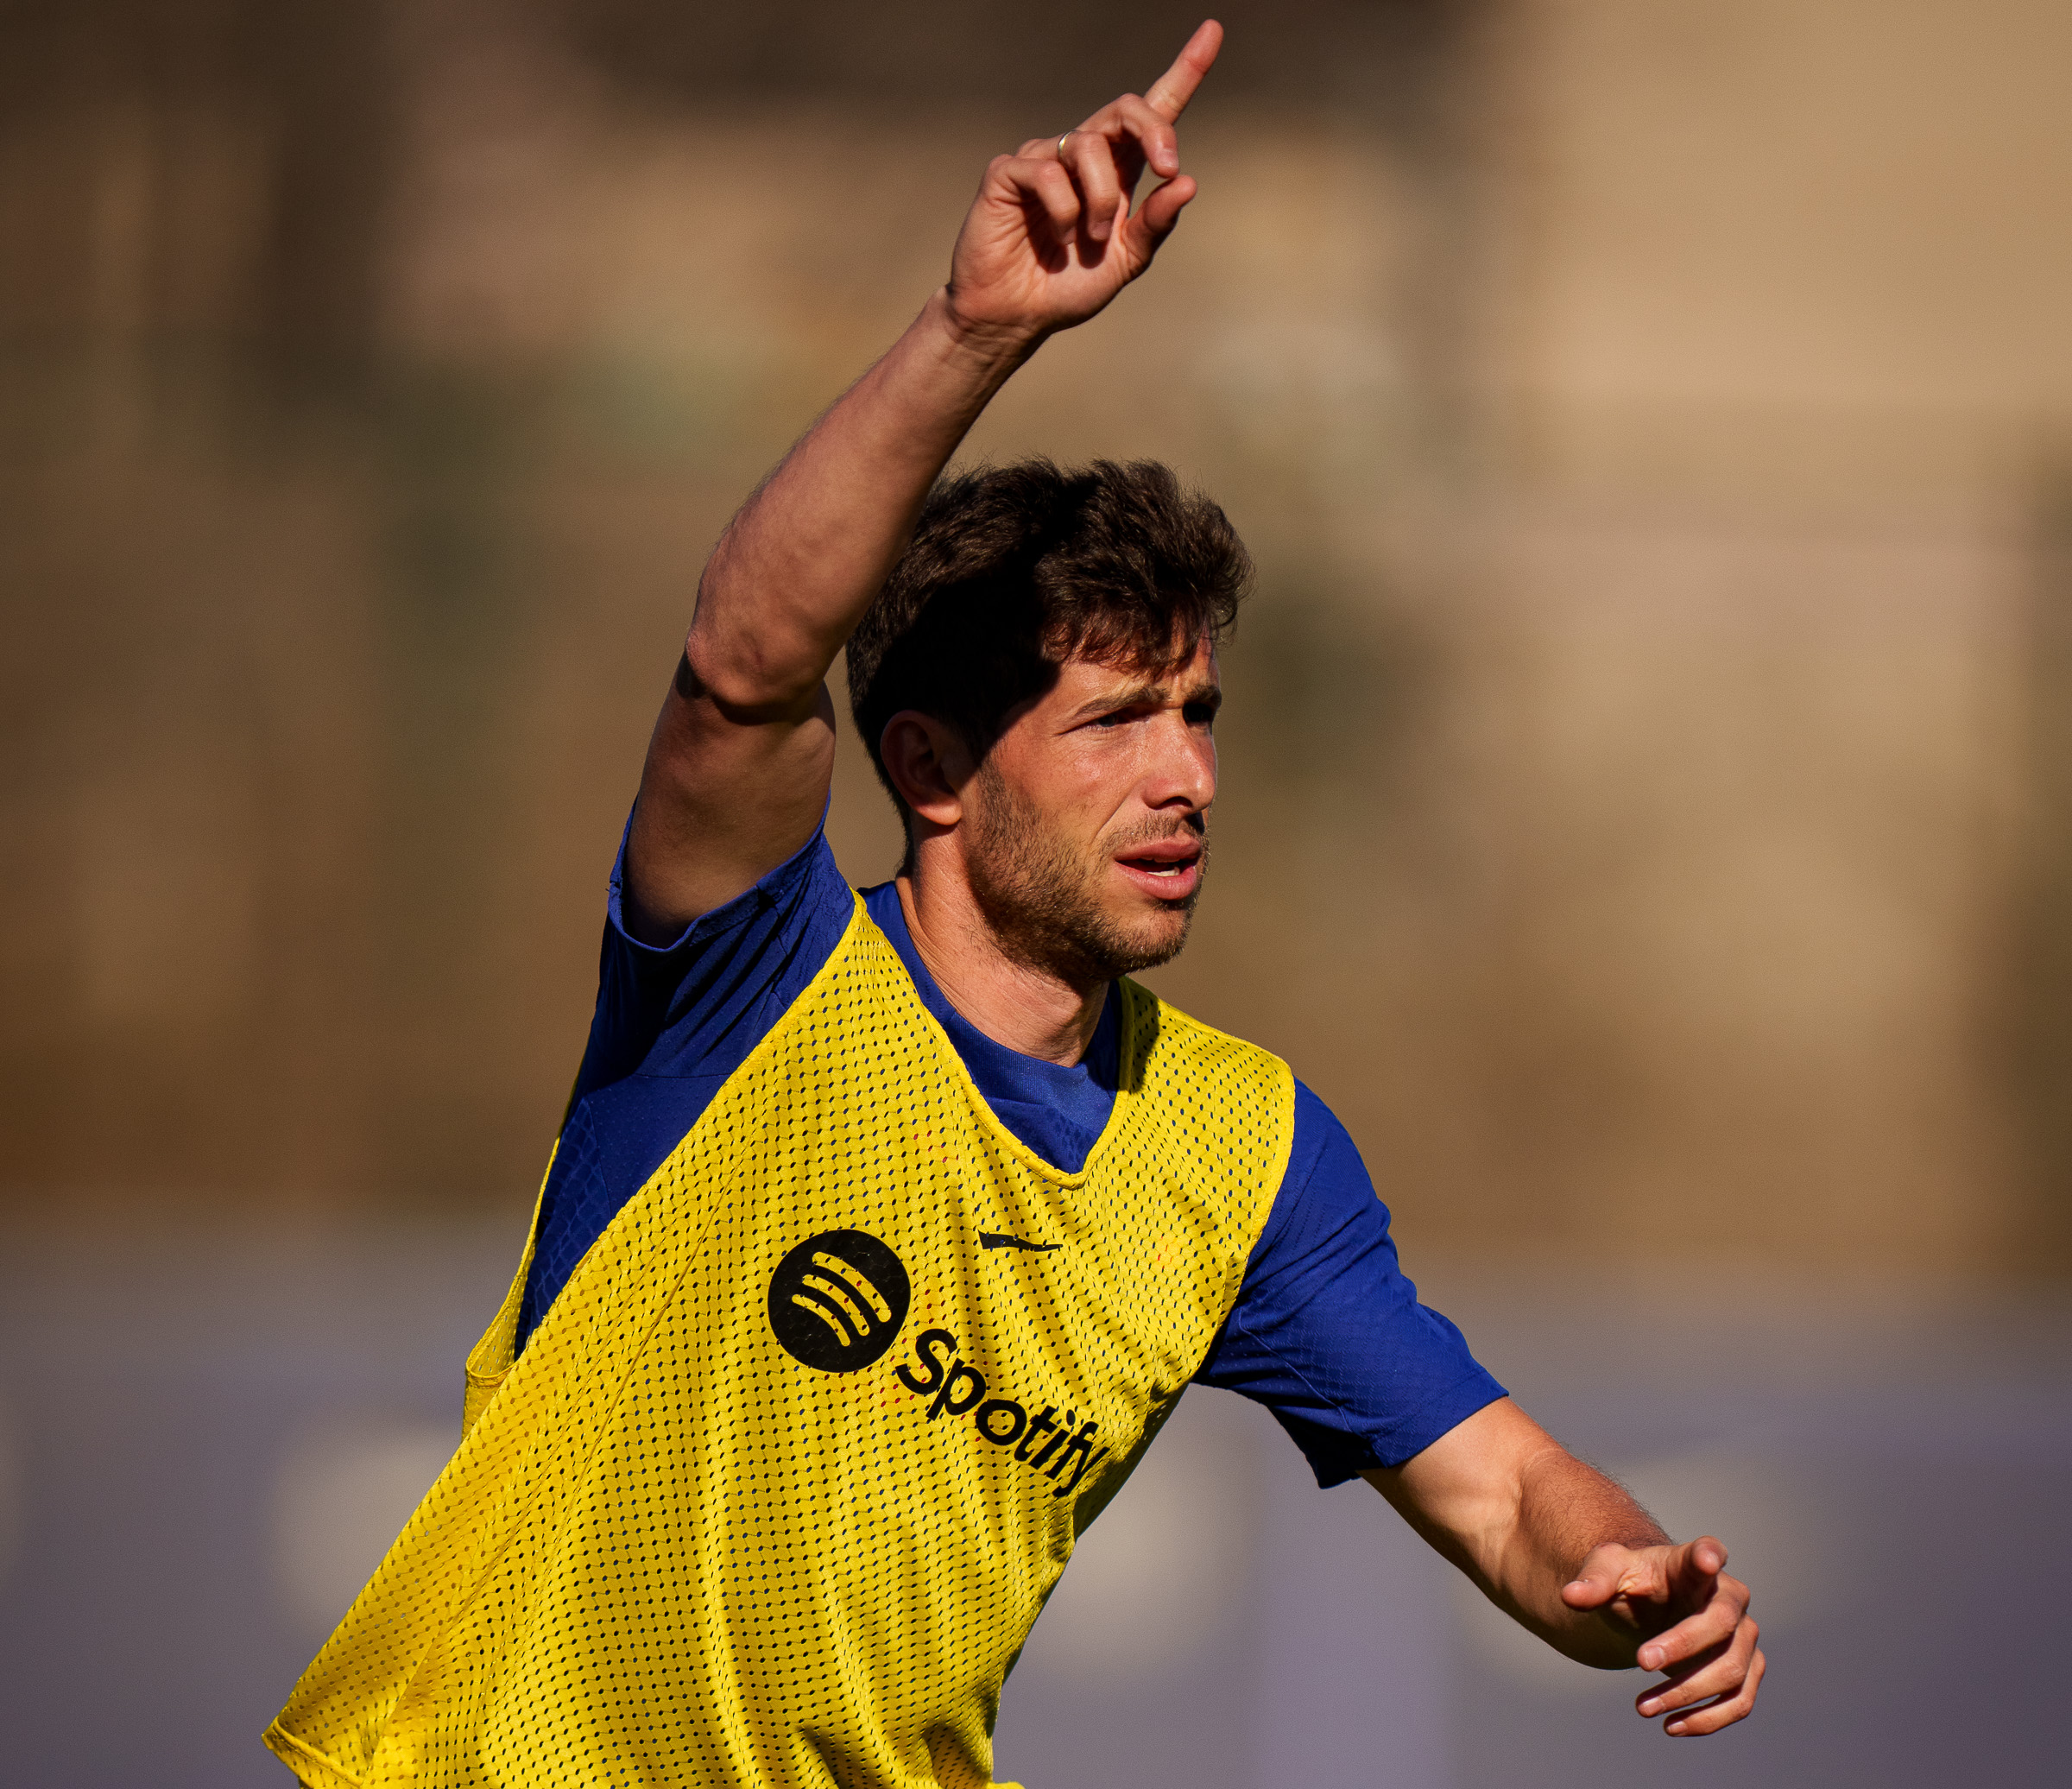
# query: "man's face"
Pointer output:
{"type": "Point", "coordinates": [1087, 824]}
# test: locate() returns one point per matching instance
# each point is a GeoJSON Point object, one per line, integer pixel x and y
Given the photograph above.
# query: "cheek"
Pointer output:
{"type": "Point", "coordinates": [1105, 784]}
{"type": "Point", "coordinates": [1084, 776]}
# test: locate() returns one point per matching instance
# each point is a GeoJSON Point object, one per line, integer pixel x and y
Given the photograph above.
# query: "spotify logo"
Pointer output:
{"type": "Point", "coordinates": [838, 1300]}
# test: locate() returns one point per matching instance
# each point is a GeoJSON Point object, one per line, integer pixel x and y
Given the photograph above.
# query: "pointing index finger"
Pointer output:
{"type": "Point", "coordinates": [1169, 94]}
{"type": "Point", "coordinates": [1697, 1563]}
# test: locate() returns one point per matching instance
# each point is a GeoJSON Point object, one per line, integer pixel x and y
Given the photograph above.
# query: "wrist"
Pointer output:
{"type": "Point", "coordinates": [989, 343]}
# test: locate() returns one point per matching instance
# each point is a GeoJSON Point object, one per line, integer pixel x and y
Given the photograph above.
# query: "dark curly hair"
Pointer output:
{"type": "Point", "coordinates": [1014, 569]}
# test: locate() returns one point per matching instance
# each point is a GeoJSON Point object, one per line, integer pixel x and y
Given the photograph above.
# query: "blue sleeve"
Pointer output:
{"type": "Point", "coordinates": [673, 1022]}
{"type": "Point", "coordinates": [1328, 1333]}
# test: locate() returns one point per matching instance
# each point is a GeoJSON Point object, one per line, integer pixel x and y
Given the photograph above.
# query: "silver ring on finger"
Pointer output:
{"type": "Point", "coordinates": [1061, 145]}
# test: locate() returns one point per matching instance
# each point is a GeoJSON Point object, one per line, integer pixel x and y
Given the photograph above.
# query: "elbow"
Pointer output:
{"type": "Point", "coordinates": [745, 680]}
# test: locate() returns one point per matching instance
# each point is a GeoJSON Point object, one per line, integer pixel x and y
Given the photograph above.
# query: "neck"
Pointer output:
{"type": "Point", "coordinates": [1029, 1009]}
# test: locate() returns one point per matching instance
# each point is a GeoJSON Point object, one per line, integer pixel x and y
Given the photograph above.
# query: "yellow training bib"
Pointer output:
{"type": "Point", "coordinates": [785, 1473]}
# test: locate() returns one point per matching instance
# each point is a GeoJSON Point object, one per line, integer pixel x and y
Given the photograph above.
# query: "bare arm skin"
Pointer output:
{"type": "Point", "coordinates": [739, 764]}
{"type": "Point", "coordinates": [1561, 1548]}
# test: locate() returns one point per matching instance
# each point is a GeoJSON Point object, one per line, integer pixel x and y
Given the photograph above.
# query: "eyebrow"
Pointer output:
{"type": "Point", "coordinates": [1159, 693]}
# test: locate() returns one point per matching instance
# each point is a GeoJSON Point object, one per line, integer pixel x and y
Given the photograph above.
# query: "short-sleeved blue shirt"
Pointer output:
{"type": "Point", "coordinates": [1326, 1332]}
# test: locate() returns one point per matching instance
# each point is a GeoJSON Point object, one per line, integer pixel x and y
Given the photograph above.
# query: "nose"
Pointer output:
{"type": "Point", "coordinates": [1181, 771]}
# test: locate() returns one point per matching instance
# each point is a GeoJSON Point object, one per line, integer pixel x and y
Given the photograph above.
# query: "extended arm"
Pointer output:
{"type": "Point", "coordinates": [1566, 1551]}
{"type": "Point", "coordinates": [738, 766]}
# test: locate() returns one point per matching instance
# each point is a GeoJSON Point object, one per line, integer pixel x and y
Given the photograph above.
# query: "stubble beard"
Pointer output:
{"type": "Point", "coordinates": [1040, 899]}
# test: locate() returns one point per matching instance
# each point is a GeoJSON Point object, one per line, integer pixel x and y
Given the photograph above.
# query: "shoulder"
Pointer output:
{"type": "Point", "coordinates": [805, 890]}
{"type": "Point", "coordinates": [1159, 1037]}
{"type": "Point", "coordinates": [1227, 1104]}
{"type": "Point", "coordinates": [1323, 1147]}
{"type": "Point", "coordinates": [683, 1006]}
{"type": "Point", "coordinates": [1327, 1199]}
{"type": "Point", "coordinates": [1327, 1330]}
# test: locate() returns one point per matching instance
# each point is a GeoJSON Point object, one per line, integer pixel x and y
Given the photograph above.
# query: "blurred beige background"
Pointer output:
{"type": "Point", "coordinates": [1648, 801]}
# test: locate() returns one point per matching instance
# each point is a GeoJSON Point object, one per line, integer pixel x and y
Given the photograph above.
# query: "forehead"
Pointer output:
{"type": "Point", "coordinates": [1080, 677]}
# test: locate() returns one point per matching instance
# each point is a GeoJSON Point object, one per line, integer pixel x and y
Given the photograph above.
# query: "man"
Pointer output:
{"type": "Point", "coordinates": [884, 1230]}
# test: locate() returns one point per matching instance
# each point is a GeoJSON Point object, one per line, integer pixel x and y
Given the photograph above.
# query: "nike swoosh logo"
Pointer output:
{"type": "Point", "coordinates": [988, 1239]}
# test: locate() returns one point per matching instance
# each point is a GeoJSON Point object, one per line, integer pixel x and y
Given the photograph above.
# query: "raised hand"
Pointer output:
{"type": "Point", "coordinates": [1051, 237]}
{"type": "Point", "coordinates": [739, 765]}
{"type": "Point", "coordinates": [1693, 1623]}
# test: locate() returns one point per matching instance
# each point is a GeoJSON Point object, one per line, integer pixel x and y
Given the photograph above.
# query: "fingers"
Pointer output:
{"type": "Point", "coordinates": [1138, 134]}
{"type": "Point", "coordinates": [1724, 1712]}
{"type": "Point", "coordinates": [1609, 1572]}
{"type": "Point", "coordinates": [1695, 1562]}
{"type": "Point", "coordinates": [1723, 1612]}
{"type": "Point", "coordinates": [1170, 93]}
{"type": "Point", "coordinates": [1041, 182]}
{"type": "Point", "coordinates": [1719, 1672]}
{"type": "Point", "coordinates": [1158, 213]}
{"type": "Point", "coordinates": [1105, 156]}
{"type": "Point", "coordinates": [1082, 183]}
{"type": "Point", "coordinates": [1086, 155]}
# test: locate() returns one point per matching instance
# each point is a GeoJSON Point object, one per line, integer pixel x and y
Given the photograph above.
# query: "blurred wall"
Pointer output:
{"type": "Point", "coordinates": [1776, 395]}
{"type": "Point", "coordinates": [1645, 803]}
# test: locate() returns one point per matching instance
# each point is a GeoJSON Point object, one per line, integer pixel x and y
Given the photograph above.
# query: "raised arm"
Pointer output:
{"type": "Point", "coordinates": [1566, 1551]}
{"type": "Point", "coordinates": [738, 766]}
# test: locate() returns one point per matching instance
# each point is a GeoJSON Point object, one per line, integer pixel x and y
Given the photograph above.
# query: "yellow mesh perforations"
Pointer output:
{"type": "Point", "coordinates": [713, 1531]}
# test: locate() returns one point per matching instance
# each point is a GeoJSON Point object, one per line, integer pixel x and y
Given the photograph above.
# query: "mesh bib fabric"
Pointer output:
{"type": "Point", "coordinates": [785, 1473]}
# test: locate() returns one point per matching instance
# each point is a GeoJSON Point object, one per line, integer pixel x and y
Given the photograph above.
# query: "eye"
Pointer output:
{"type": "Point", "coordinates": [1202, 714]}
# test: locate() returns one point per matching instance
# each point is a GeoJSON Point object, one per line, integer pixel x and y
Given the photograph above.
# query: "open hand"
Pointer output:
{"type": "Point", "coordinates": [1689, 1620]}
{"type": "Point", "coordinates": [1051, 237]}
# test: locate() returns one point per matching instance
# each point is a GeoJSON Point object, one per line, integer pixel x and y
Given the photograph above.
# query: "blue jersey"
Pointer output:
{"type": "Point", "coordinates": [1327, 1331]}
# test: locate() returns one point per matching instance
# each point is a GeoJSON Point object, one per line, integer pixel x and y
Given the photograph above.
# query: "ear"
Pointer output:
{"type": "Point", "coordinates": [929, 764]}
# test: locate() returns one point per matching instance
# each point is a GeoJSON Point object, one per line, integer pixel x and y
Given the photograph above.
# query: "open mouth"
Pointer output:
{"type": "Point", "coordinates": [1171, 870]}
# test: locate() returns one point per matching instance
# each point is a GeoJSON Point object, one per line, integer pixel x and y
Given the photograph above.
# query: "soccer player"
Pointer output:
{"type": "Point", "coordinates": [884, 1229]}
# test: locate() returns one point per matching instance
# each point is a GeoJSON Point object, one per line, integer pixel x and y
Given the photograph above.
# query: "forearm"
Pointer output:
{"type": "Point", "coordinates": [1566, 1510]}
{"type": "Point", "coordinates": [739, 763]}
{"type": "Point", "coordinates": [1561, 1548]}
{"type": "Point", "coordinates": [738, 766]}
{"type": "Point", "coordinates": [799, 563]}
{"type": "Point", "coordinates": [1518, 1514]}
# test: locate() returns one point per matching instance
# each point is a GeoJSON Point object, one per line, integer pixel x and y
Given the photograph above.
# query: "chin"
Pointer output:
{"type": "Point", "coordinates": [1151, 940]}
{"type": "Point", "coordinates": [1068, 918]}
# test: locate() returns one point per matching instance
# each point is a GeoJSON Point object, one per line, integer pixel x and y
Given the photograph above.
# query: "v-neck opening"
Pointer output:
{"type": "Point", "coordinates": [882, 905]}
